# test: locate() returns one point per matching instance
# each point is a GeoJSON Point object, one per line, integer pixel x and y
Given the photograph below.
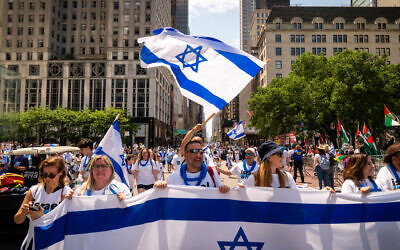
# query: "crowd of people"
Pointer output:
{"type": "Point", "coordinates": [192, 164]}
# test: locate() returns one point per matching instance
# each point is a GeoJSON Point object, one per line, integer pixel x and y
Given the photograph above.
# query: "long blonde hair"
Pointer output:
{"type": "Point", "coordinates": [89, 184]}
{"type": "Point", "coordinates": [263, 177]}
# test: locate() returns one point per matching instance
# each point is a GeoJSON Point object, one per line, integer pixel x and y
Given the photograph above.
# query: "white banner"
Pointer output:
{"type": "Point", "coordinates": [182, 217]}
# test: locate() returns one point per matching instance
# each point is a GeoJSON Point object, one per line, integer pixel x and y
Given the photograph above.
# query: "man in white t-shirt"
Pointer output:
{"type": "Point", "coordinates": [389, 176]}
{"type": "Point", "coordinates": [86, 148]}
{"type": "Point", "coordinates": [243, 169]}
{"type": "Point", "coordinates": [194, 172]}
{"type": "Point", "coordinates": [176, 162]}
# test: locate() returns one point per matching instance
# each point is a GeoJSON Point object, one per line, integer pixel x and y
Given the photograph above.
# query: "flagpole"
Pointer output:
{"type": "Point", "coordinates": [117, 117]}
{"type": "Point", "coordinates": [209, 118]}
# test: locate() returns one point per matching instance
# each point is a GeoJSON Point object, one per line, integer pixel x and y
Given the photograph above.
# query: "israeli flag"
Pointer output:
{"type": "Point", "coordinates": [237, 132]}
{"type": "Point", "coordinates": [207, 70]}
{"type": "Point", "coordinates": [111, 146]}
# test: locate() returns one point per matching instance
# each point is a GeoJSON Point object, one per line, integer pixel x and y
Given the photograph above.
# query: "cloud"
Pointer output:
{"type": "Point", "coordinates": [202, 7]}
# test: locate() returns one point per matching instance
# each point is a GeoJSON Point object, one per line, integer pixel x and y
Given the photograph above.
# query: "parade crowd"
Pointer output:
{"type": "Point", "coordinates": [48, 181]}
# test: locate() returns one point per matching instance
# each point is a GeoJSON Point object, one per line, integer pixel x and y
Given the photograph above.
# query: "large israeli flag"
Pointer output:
{"type": "Point", "coordinates": [207, 70]}
{"type": "Point", "coordinates": [181, 217]}
{"type": "Point", "coordinates": [237, 132]}
{"type": "Point", "coordinates": [111, 145]}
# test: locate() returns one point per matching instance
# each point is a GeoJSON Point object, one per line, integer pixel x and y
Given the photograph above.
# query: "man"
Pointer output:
{"type": "Point", "coordinates": [244, 169]}
{"type": "Point", "coordinates": [163, 156]}
{"type": "Point", "coordinates": [194, 172]}
{"type": "Point", "coordinates": [19, 163]}
{"type": "Point", "coordinates": [86, 148]}
{"type": "Point", "coordinates": [298, 162]}
{"type": "Point", "coordinates": [388, 176]}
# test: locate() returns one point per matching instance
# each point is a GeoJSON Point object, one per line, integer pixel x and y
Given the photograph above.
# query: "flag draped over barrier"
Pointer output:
{"type": "Point", "coordinates": [207, 70]}
{"type": "Point", "coordinates": [111, 145]}
{"type": "Point", "coordinates": [237, 132]}
{"type": "Point", "coordinates": [198, 218]}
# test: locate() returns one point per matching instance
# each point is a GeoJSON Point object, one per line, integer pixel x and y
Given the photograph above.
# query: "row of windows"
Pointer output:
{"type": "Point", "coordinates": [338, 26]}
{"type": "Point", "coordinates": [296, 51]}
{"type": "Point", "coordinates": [335, 38]}
{"type": "Point", "coordinates": [29, 56]}
{"type": "Point", "coordinates": [31, 5]}
{"type": "Point", "coordinates": [30, 31]}
{"type": "Point", "coordinates": [31, 18]}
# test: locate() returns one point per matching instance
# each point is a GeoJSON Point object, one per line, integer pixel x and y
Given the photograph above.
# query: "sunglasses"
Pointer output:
{"type": "Point", "coordinates": [249, 154]}
{"type": "Point", "coordinates": [51, 175]}
{"type": "Point", "coordinates": [101, 166]}
{"type": "Point", "coordinates": [195, 151]}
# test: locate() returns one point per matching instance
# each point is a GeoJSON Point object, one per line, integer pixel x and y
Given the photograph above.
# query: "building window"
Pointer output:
{"type": "Point", "coordinates": [30, 44]}
{"type": "Point", "coordinates": [119, 69]}
{"type": "Point", "coordinates": [136, 55]}
{"type": "Point", "coordinates": [116, 18]}
{"type": "Point", "coordinates": [340, 38]}
{"type": "Point", "coordinates": [115, 30]}
{"type": "Point", "coordinates": [361, 26]}
{"type": "Point", "coordinates": [297, 26]}
{"type": "Point", "coordinates": [19, 43]}
{"type": "Point", "coordinates": [40, 56]}
{"type": "Point", "coordinates": [8, 43]}
{"type": "Point", "coordinates": [297, 51]}
{"type": "Point", "coordinates": [19, 56]}
{"type": "Point", "coordinates": [381, 26]}
{"type": "Point", "coordinates": [278, 38]}
{"type": "Point", "coordinates": [278, 64]}
{"type": "Point", "coordinates": [20, 18]}
{"type": "Point", "coordinates": [126, 30]}
{"type": "Point", "coordinates": [147, 31]}
{"type": "Point", "coordinates": [9, 31]}
{"type": "Point", "coordinates": [126, 18]}
{"type": "Point", "coordinates": [126, 55]}
{"type": "Point", "coordinates": [126, 42]}
{"type": "Point", "coordinates": [140, 70]}
{"type": "Point", "coordinates": [30, 31]}
{"type": "Point", "coordinates": [278, 26]}
{"type": "Point", "coordinates": [278, 75]}
{"type": "Point", "coordinates": [8, 56]}
{"type": "Point", "coordinates": [41, 18]}
{"type": "Point", "coordinates": [148, 19]}
{"type": "Point", "coordinates": [119, 93]}
{"type": "Point", "coordinates": [31, 5]}
{"type": "Point", "coordinates": [34, 70]}
{"type": "Point", "coordinates": [382, 38]}
{"type": "Point", "coordinates": [21, 5]}
{"type": "Point", "coordinates": [318, 51]}
{"type": "Point", "coordinates": [278, 51]}
{"type": "Point", "coordinates": [116, 5]}
{"type": "Point", "coordinates": [318, 26]}
{"type": "Point", "coordinates": [339, 26]}
{"type": "Point", "coordinates": [115, 42]}
{"type": "Point", "coordinates": [83, 16]}
{"type": "Point", "coordinates": [31, 18]}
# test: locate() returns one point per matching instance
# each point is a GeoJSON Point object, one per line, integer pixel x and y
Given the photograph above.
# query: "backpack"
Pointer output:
{"type": "Point", "coordinates": [324, 162]}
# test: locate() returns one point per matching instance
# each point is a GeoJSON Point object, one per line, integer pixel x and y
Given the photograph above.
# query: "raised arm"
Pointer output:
{"type": "Point", "coordinates": [189, 136]}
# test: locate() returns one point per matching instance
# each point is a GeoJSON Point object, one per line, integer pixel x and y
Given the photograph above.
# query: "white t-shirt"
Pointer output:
{"type": "Point", "coordinates": [177, 161]}
{"type": "Point", "coordinates": [385, 177]}
{"type": "Point", "coordinates": [285, 155]}
{"type": "Point", "coordinates": [238, 170]}
{"type": "Point", "coordinates": [145, 171]}
{"type": "Point", "coordinates": [176, 179]}
{"type": "Point", "coordinates": [160, 166]}
{"type": "Point", "coordinates": [349, 186]}
{"type": "Point", "coordinates": [275, 181]}
{"type": "Point", "coordinates": [208, 160]}
{"type": "Point", "coordinates": [114, 185]}
{"type": "Point", "coordinates": [48, 201]}
{"type": "Point", "coordinates": [130, 176]}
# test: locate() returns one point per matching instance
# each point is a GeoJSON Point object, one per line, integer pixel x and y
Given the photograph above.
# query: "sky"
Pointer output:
{"type": "Point", "coordinates": [220, 19]}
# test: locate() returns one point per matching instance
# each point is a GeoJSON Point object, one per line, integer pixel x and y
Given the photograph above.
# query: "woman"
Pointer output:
{"type": "Point", "coordinates": [270, 174]}
{"type": "Point", "coordinates": [358, 176]}
{"type": "Point", "coordinates": [145, 171]}
{"type": "Point", "coordinates": [321, 166]}
{"type": "Point", "coordinates": [160, 175]}
{"type": "Point", "coordinates": [46, 195]}
{"type": "Point", "coordinates": [101, 180]}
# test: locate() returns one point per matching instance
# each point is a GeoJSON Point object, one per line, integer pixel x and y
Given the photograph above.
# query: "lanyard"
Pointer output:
{"type": "Point", "coordinates": [144, 165]}
{"type": "Point", "coordinates": [112, 187]}
{"type": "Point", "coordinates": [199, 179]}
{"type": "Point", "coordinates": [252, 166]}
{"type": "Point", "coordinates": [394, 172]}
{"type": "Point", "coordinates": [86, 162]}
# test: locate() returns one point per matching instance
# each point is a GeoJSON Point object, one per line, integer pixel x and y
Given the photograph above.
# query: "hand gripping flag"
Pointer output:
{"type": "Point", "coordinates": [111, 146]}
{"type": "Point", "coordinates": [237, 132]}
{"type": "Point", "coordinates": [391, 119]}
{"type": "Point", "coordinates": [207, 70]}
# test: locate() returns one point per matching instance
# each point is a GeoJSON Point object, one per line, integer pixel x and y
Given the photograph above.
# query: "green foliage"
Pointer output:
{"type": "Point", "coordinates": [351, 86]}
{"type": "Point", "coordinates": [41, 125]}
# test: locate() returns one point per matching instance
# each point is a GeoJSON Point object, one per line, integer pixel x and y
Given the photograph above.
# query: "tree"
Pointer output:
{"type": "Point", "coordinates": [351, 86]}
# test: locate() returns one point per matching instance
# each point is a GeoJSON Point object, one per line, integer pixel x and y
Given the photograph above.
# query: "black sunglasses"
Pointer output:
{"type": "Point", "coordinates": [51, 175]}
{"type": "Point", "coordinates": [195, 151]}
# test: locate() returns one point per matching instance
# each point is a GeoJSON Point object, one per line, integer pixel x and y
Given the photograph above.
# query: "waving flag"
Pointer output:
{"type": "Point", "coordinates": [111, 146]}
{"type": "Point", "coordinates": [207, 70]}
{"type": "Point", "coordinates": [391, 119]}
{"type": "Point", "coordinates": [371, 143]}
{"type": "Point", "coordinates": [341, 133]}
{"type": "Point", "coordinates": [250, 218]}
{"type": "Point", "coordinates": [237, 132]}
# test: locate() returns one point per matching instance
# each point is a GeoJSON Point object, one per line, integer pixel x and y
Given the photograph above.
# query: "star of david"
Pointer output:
{"type": "Point", "coordinates": [199, 58]}
{"type": "Point", "coordinates": [234, 132]}
{"type": "Point", "coordinates": [123, 159]}
{"type": "Point", "coordinates": [237, 243]}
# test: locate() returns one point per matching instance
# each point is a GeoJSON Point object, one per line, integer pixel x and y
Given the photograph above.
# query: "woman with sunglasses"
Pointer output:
{"type": "Point", "coordinates": [358, 176]}
{"type": "Point", "coordinates": [46, 195]}
{"type": "Point", "coordinates": [270, 172]}
{"type": "Point", "coordinates": [145, 171]}
{"type": "Point", "coordinates": [101, 180]}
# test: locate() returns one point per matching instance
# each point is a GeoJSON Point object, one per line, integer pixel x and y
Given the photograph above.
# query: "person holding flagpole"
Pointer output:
{"type": "Point", "coordinates": [270, 172]}
{"type": "Point", "coordinates": [244, 169]}
{"type": "Point", "coordinates": [101, 180]}
{"type": "Point", "coordinates": [194, 172]}
{"type": "Point", "coordinates": [389, 175]}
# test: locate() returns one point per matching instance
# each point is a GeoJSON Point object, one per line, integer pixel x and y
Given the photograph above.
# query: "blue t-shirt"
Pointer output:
{"type": "Point", "coordinates": [297, 155]}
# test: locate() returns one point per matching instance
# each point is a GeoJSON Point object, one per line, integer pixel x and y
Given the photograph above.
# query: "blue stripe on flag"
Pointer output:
{"type": "Point", "coordinates": [115, 125]}
{"type": "Point", "coordinates": [242, 62]}
{"type": "Point", "coordinates": [186, 209]}
{"type": "Point", "coordinates": [148, 57]}
{"type": "Point", "coordinates": [240, 136]}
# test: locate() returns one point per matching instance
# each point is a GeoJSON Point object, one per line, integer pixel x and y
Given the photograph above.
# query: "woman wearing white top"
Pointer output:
{"type": "Point", "coordinates": [45, 196]}
{"type": "Point", "coordinates": [358, 176]}
{"type": "Point", "coordinates": [270, 174]}
{"type": "Point", "coordinates": [160, 175]}
{"type": "Point", "coordinates": [101, 180]}
{"type": "Point", "coordinates": [145, 171]}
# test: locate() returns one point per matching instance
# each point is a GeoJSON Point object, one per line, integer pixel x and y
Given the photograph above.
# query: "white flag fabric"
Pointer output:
{"type": "Point", "coordinates": [111, 146]}
{"type": "Point", "coordinates": [207, 70]}
{"type": "Point", "coordinates": [181, 217]}
{"type": "Point", "coordinates": [237, 132]}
